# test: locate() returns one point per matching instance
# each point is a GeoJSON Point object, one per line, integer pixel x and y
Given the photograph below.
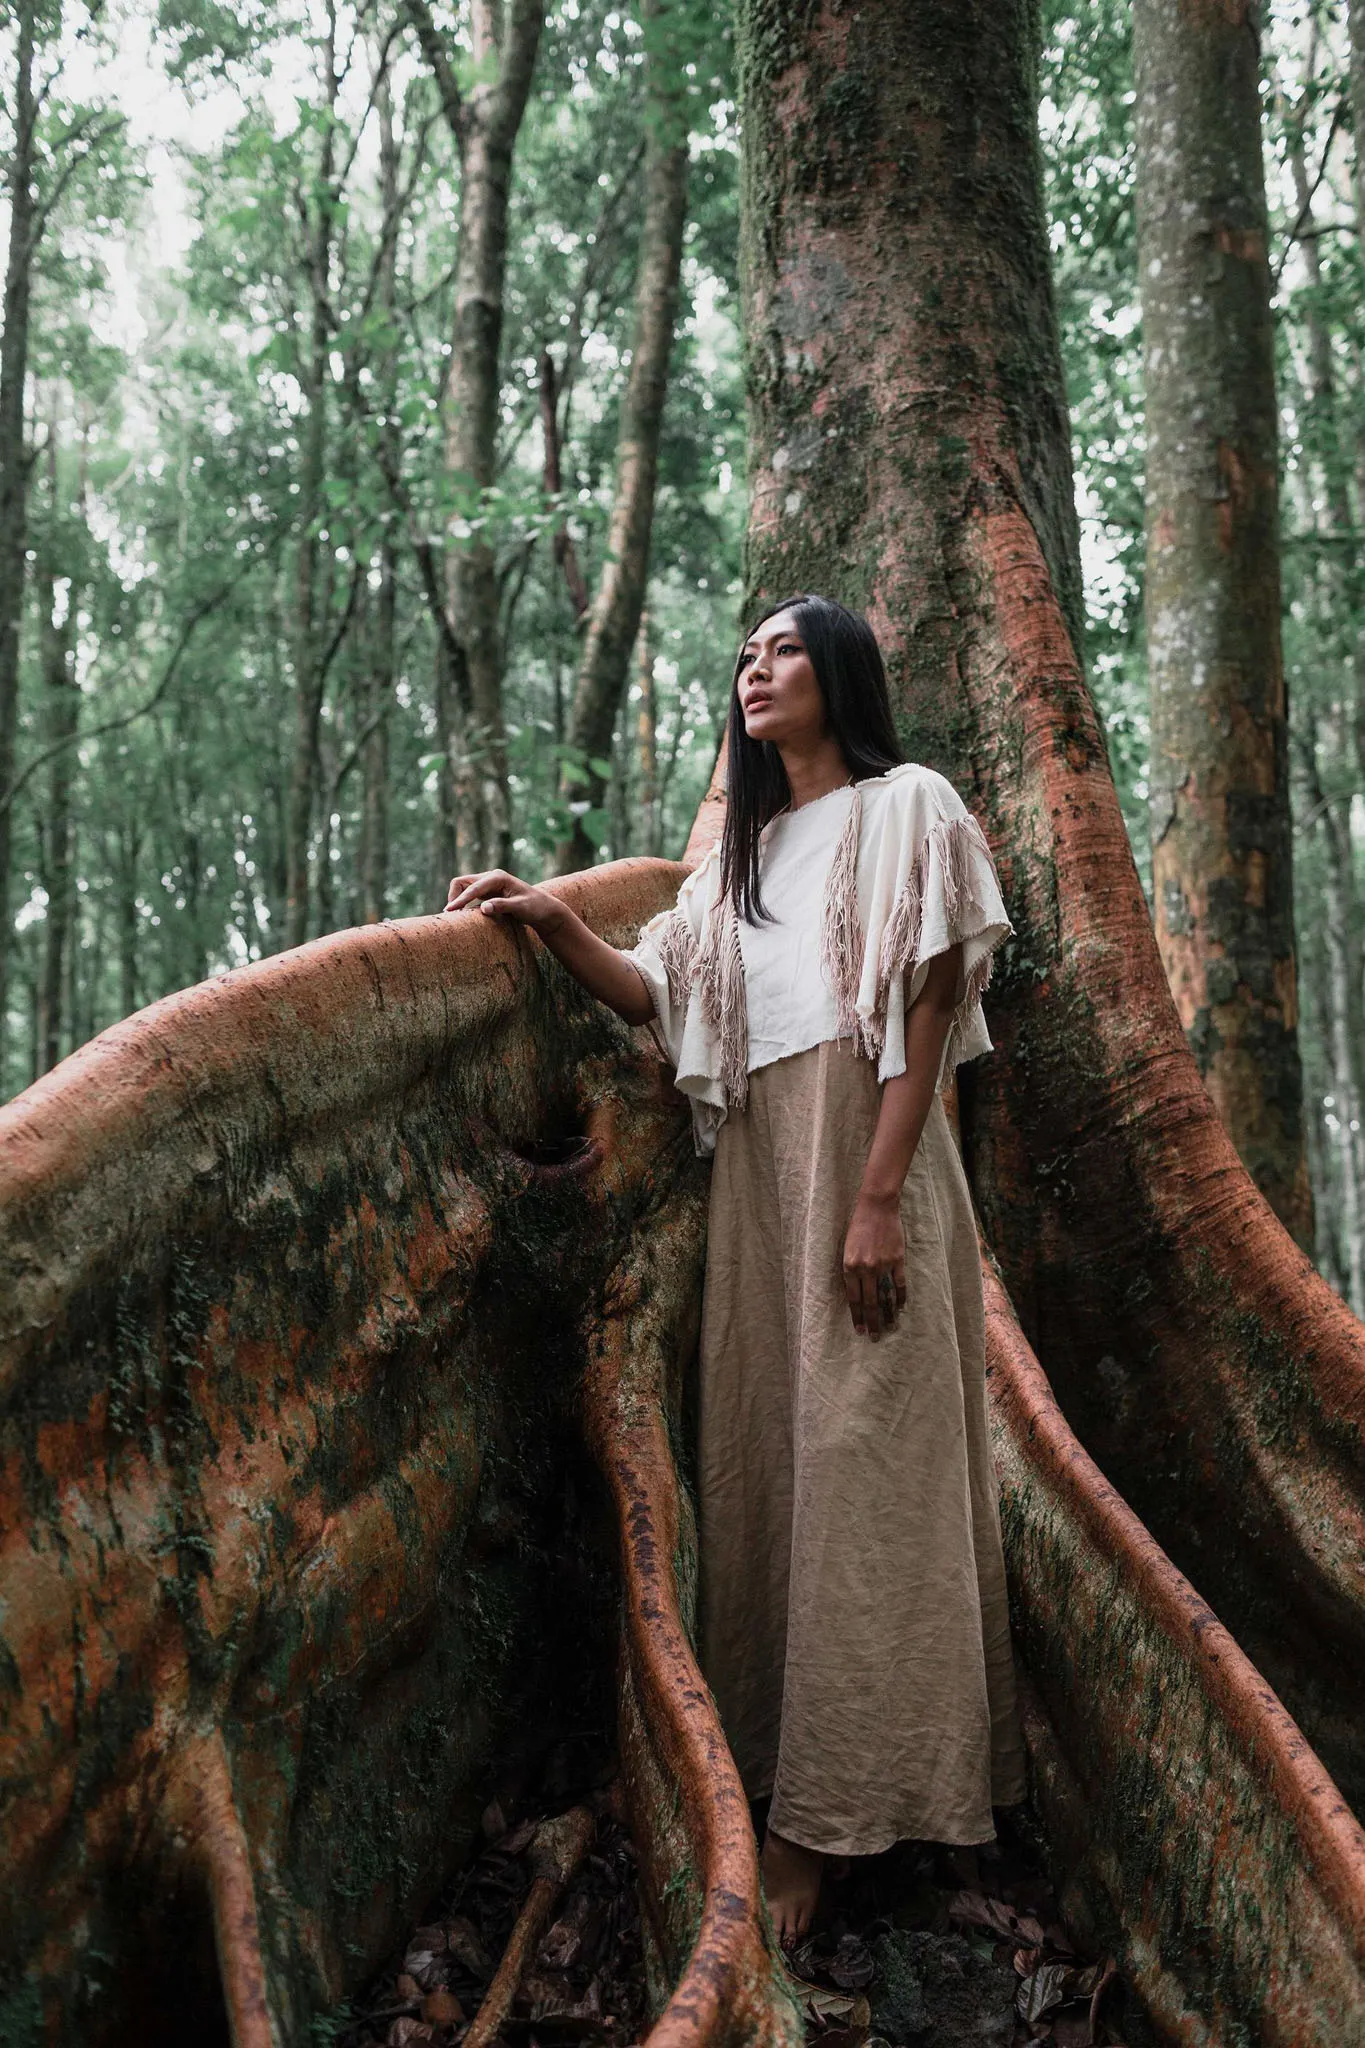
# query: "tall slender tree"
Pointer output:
{"type": "Point", "coordinates": [614, 618]}
{"type": "Point", "coordinates": [15, 457]}
{"type": "Point", "coordinates": [51, 147]}
{"type": "Point", "coordinates": [1219, 805]}
{"type": "Point", "coordinates": [484, 115]}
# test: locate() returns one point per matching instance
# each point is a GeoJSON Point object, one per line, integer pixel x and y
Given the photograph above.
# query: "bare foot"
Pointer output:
{"type": "Point", "coordinates": [791, 1885]}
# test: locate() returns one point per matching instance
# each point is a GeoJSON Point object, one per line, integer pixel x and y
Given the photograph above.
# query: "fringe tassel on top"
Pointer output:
{"type": "Point", "coordinates": [954, 840]}
{"type": "Point", "coordinates": [677, 948]}
{"type": "Point", "coordinates": [720, 984]}
{"type": "Point", "coordinates": [716, 967]}
{"type": "Point", "coordinates": [841, 933]}
{"type": "Point", "coordinates": [978, 980]}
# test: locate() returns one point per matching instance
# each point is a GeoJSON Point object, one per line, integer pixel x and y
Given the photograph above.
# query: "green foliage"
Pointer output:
{"type": "Point", "coordinates": [1316, 259]}
{"type": "Point", "coordinates": [179, 526]}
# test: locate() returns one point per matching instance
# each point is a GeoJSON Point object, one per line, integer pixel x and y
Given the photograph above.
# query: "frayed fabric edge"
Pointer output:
{"type": "Point", "coordinates": [841, 934]}
{"type": "Point", "coordinates": [955, 840]}
{"type": "Point", "coordinates": [676, 944]}
{"type": "Point", "coordinates": [720, 984]}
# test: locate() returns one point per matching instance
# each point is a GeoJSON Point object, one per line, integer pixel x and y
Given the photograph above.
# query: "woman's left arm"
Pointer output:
{"type": "Point", "coordinates": [874, 1249]}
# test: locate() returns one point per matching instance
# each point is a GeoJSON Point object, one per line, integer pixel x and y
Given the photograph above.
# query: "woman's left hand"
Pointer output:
{"type": "Point", "coordinates": [874, 1265]}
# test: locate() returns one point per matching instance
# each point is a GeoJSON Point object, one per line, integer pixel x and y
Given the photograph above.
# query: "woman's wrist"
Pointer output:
{"type": "Point", "coordinates": [879, 1193]}
{"type": "Point", "coordinates": [555, 921]}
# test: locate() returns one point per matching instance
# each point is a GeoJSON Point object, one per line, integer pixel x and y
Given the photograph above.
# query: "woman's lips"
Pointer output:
{"type": "Point", "coordinates": [757, 702]}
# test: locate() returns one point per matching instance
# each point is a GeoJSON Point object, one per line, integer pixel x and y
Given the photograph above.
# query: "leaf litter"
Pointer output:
{"type": "Point", "coordinates": [928, 1947]}
{"type": "Point", "coordinates": [920, 1947]}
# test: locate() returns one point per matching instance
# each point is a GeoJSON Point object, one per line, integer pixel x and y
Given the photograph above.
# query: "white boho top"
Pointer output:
{"type": "Point", "coordinates": [864, 887]}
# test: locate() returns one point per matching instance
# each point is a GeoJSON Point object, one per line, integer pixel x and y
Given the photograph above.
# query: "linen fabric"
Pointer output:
{"type": "Point", "coordinates": [864, 886]}
{"type": "Point", "coordinates": [853, 1620]}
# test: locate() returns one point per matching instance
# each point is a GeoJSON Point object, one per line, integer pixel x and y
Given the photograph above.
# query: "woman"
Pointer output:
{"type": "Point", "coordinates": [816, 983]}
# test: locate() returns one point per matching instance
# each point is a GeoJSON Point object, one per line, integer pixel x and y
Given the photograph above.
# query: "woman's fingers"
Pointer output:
{"type": "Point", "coordinates": [467, 890]}
{"type": "Point", "coordinates": [876, 1295]}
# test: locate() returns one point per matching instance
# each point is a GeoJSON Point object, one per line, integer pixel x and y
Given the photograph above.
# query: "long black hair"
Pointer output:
{"type": "Point", "coordinates": [847, 661]}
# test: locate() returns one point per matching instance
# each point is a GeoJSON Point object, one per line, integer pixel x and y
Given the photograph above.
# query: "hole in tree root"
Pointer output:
{"type": "Point", "coordinates": [565, 1157]}
{"type": "Point", "coordinates": [168, 1989]}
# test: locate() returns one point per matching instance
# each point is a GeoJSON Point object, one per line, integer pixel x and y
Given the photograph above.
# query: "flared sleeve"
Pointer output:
{"type": "Point", "coordinates": [926, 880]}
{"type": "Point", "coordinates": [670, 959]}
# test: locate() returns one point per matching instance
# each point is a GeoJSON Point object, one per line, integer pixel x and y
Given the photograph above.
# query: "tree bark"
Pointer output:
{"type": "Point", "coordinates": [1345, 1013]}
{"type": "Point", "coordinates": [15, 460]}
{"type": "Point", "coordinates": [377, 700]}
{"type": "Point", "coordinates": [1219, 806]}
{"type": "Point", "coordinates": [309, 670]}
{"type": "Point", "coordinates": [910, 454]}
{"type": "Point", "coordinates": [61, 720]}
{"type": "Point", "coordinates": [565, 553]}
{"type": "Point", "coordinates": [647, 742]}
{"type": "Point", "coordinates": [1355, 28]}
{"type": "Point", "coordinates": [484, 122]}
{"type": "Point", "coordinates": [614, 619]}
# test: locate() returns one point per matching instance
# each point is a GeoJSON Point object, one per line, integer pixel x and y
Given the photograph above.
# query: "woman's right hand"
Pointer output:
{"type": "Point", "coordinates": [498, 894]}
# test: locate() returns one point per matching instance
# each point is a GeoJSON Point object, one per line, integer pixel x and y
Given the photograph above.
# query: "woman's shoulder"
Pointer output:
{"type": "Point", "coordinates": [912, 786]}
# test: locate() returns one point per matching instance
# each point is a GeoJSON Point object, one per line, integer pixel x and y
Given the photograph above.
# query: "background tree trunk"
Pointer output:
{"type": "Point", "coordinates": [1219, 805]}
{"type": "Point", "coordinates": [309, 613]}
{"type": "Point", "coordinates": [614, 619]}
{"type": "Point", "coordinates": [647, 741]}
{"type": "Point", "coordinates": [910, 454]}
{"type": "Point", "coordinates": [14, 455]}
{"type": "Point", "coordinates": [381, 669]}
{"type": "Point", "coordinates": [484, 123]}
{"type": "Point", "coordinates": [61, 722]}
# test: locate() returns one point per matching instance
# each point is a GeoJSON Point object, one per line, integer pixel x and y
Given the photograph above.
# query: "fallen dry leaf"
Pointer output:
{"type": "Point", "coordinates": [462, 1941]}
{"type": "Point", "coordinates": [851, 1966]}
{"type": "Point", "coordinates": [1042, 1990]}
{"type": "Point", "coordinates": [818, 2003]}
{"type": "Point", "coordinates": [975, 1909]}
{"type": "Point", "coordinates": [442, 2009]}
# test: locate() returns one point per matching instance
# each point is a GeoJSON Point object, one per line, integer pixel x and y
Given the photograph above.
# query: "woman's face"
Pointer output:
{"type": "Point", "coordinates": [778, 693]}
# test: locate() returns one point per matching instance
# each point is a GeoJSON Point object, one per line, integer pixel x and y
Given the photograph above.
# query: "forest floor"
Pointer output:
{"type": "Point", "coordinates": [922, 1947]}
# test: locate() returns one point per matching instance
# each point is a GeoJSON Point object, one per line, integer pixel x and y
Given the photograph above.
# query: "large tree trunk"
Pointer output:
{"type": "Point", "coordinates": [1219, 805]}
{"type": "Point", "coordinates": [910, 454]}
{"type": "Point", "coordinates": [614, 619]}
{"type": "Point", "coordinates": [484, 121]}
{"type": "Point", "coordinates": [15, 461]}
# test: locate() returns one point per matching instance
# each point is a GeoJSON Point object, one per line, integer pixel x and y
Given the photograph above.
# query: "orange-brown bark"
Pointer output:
{"type": "Point", "coordinates": [1222, 843]}
{"type": "Point", "coordinates": [909, 454]}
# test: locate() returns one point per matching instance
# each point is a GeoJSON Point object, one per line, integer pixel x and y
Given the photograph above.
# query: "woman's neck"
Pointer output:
{"type": "Point", "coordinates": [814, 772]}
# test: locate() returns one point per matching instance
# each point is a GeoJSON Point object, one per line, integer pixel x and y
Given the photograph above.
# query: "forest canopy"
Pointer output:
{"type": "Point", "coordinates": [326, 575]}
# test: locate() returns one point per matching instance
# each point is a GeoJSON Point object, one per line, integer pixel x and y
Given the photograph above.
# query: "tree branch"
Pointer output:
{"type": "Point", "coordinates": [447, 85]}
{"type": "Point", "coordinates": [149, 703]}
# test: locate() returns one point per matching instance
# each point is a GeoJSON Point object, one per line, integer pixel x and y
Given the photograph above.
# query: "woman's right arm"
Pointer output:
{"type": "Point", "coordinates": [603, 971]}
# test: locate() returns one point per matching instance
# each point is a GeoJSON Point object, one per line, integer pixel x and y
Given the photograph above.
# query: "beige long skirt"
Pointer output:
{"type": "Point", "coordinates": [854, 1628]}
